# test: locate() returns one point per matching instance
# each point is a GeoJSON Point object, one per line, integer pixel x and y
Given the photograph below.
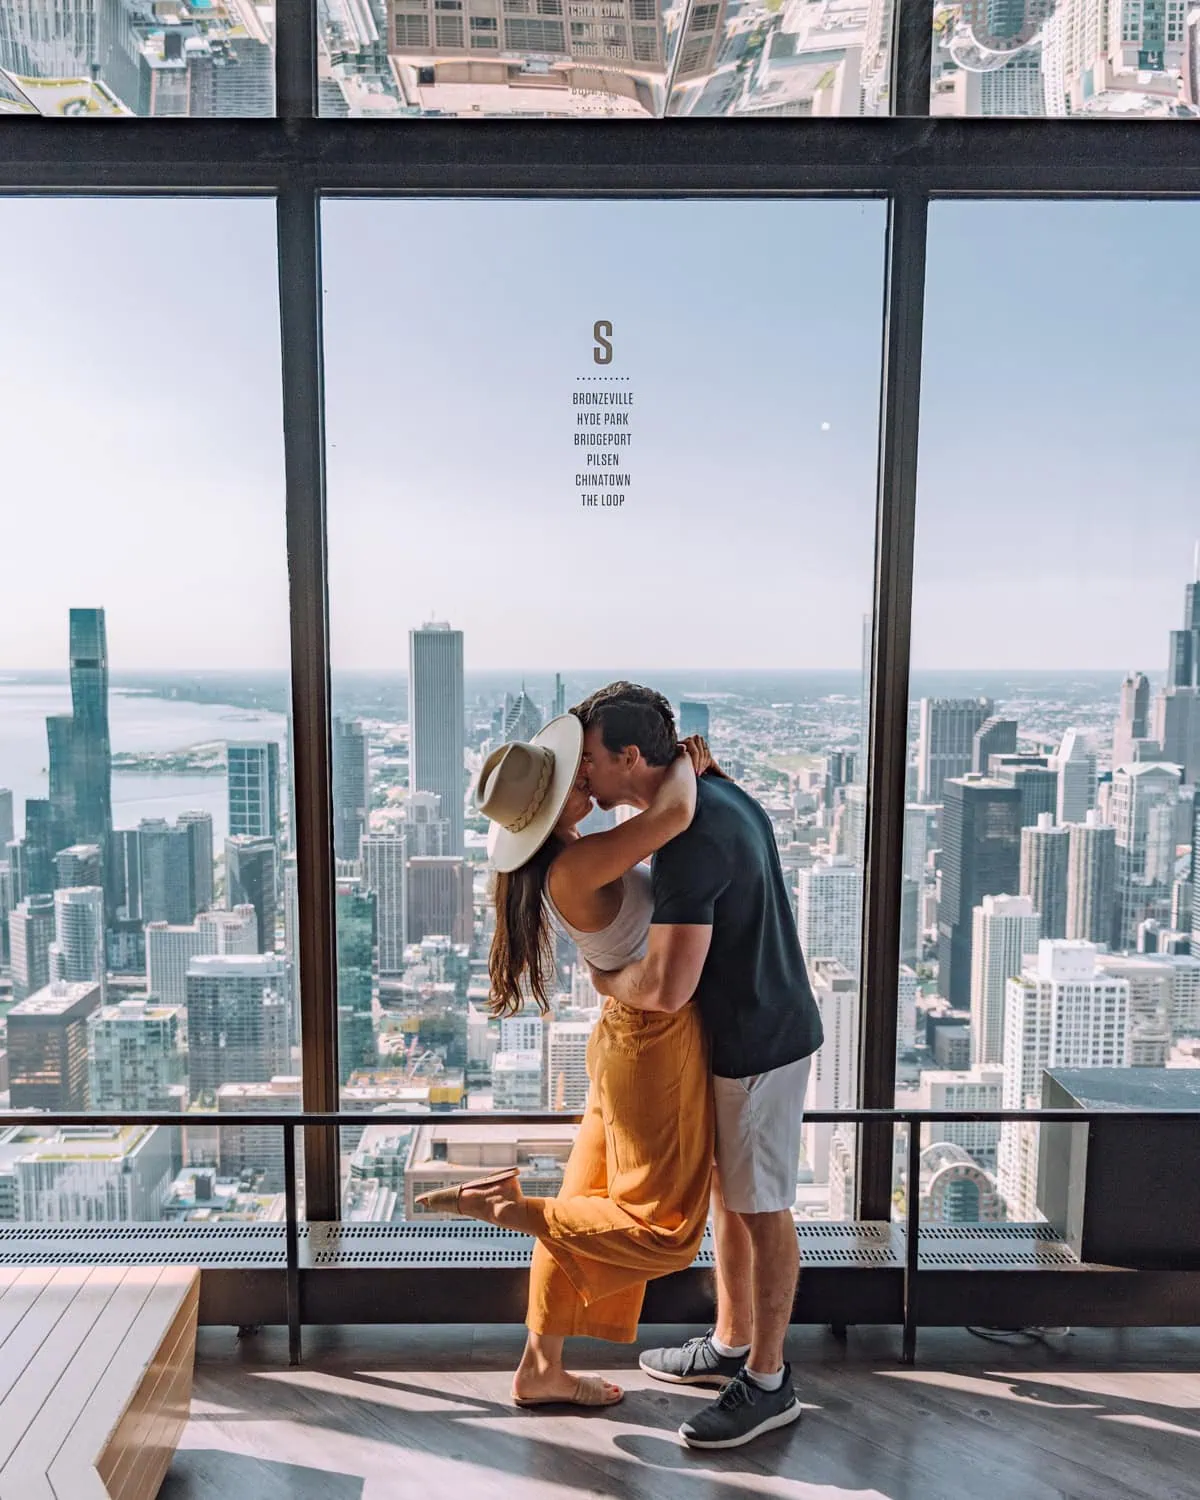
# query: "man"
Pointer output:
{"type": "Point", "coordinates": [724, 938]}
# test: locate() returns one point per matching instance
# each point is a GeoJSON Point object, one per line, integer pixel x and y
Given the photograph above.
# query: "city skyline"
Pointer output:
{"type": "Point", "coordinates": [158, 964]}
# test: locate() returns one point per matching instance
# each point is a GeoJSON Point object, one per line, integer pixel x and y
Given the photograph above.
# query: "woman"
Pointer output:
{"type": "Point", "coordinates": [634, 1198]}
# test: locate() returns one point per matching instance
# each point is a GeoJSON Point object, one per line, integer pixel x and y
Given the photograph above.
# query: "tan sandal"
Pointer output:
{"type": "Point", "coordinates": [590, 1390]}
{"type": "Point", "coordinates": [445, 1200]}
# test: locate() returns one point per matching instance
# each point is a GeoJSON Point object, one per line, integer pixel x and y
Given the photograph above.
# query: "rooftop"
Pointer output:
{"type": "Point", "coordinates": [88, 1143]}
{"type": "Point", "coordinates": [235, 966]}
{"type": "Point", "coordinates": [56, 999]}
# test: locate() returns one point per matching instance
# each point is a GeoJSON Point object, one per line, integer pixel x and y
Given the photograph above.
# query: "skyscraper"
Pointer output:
{"type": "Point", "coordinates": [79, 747]}
{"type": "Point", "coordinates": [124, 868]}
{"type": "Point", "coordinates": [1044, 864]}
{"type": "Point", "coordinates": [30, 933]}
{"type": "Point", "coordinates": [1006, 930]}
{"type": "Point", "coordinates": [832, 1079]}
{"type": "Point", "coordinates": [1061, 1011]}
{"type": "Point", "coordinates": [253, 788]}
{"type": "Point", "coordinates": [81, 864]}
{"type": "Point", "coordinates": [1034, 778]}
{"type": "Point", "coordinates": [60, 740]}
{"type": "Point", "coordinates": [168, 871]}
{"type": "Point", "coordinates": [523, 1033]}
{"type": "Point", "coordinates": [8, 900]}
{"type": "Point", "coordinates": [1133, 719]}
{"type": "Point", "coordinates": [518, 1082]}
{"type": "Point", "coordinates": [977, 1088]}
{"type": "Point", "coordinates": [993, 737]}
{"type": "Point", "coordinates": [947, 741]}
{"type": "Point", "coordinates": [252, 879]}
{"type": "Point", "coordinates": [384, 874]}
{"type": "Point", "coordinates": [1091, 879]}
{"type": "Point", "coordinates": [170, 949]}
{"type": "Point", "coordinates": [981, 856]}
{"type": "Point", "coordinates": [567, 1075]}
{"type": "Point", "coordinates": [1145, 796]}
{"type": "Point", "coordinates": [47, 1047]}
{"type": "Point", "coordinates": [522, 719]}
{"type": "Point", "coordinates": [1076, 766]}
{"type": "Point", "coordinates": [40, 41]}
{"type": "Point", "coordinates": [1177, 729]}
{"type": "Point", "coordinates": [1120, 57]}
{"type": "Point", "coordinates": [108, 1175]}
{"type": "Point", "coordinates": [436, 720]}
{"type": "Point", "coordinates": [7, 828]}
{"type": "Point", "coordinates": [199, 827]}
{"type": "Point", "coordinates": [135, 1057]}
{"type": "Point", "coordinates": [440, 899]}
{"type": "Point", "coordinates": [257, 1149]}
{"type": "Point", "coordinates": [424, 829]}
{"type": "Point", "coordinates": [355, 917]}
{"type": "Point", "coordinates": [351, 786]}
{"type": "Point", "coordinates": [38, 848]}
{"type": "Point", "coordinates": [92, 751]}
{"type": "Point", "coordinates": [829, 911]}
{"type": "Point", "coordinates": [560, 697]}
{"type": "Point", "coordinates": [237, 1009]}
{"type": "Point", "coordinates": [1196, 880]}
{"type": "Point", "coordinates": [78, 954]}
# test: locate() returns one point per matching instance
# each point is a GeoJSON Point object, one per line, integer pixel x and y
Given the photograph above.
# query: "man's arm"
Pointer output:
{"type": "Point", "coordinates": [667, 977]}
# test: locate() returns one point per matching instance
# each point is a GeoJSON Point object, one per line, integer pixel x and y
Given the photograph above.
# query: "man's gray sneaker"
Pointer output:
{"type": "Point", "coordinates": [695, 1363]}
{"type": "Point", "coordinates": [742, 1412]}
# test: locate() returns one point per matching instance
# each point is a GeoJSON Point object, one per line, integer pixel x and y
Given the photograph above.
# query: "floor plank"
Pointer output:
{"type": "Point", "coordinates": [386, 1413]}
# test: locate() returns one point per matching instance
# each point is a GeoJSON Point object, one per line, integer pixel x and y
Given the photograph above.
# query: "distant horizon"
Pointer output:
{"type": "Point", "coordinates": [17, 674]}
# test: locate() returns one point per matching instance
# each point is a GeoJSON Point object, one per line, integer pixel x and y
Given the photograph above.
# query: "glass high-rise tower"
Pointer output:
{"type": "Point", "coordinates": [981, 856]}
{"type": "Point", "coordinates": [91, 747]}
{"type": "Point", "coordinates": [436, 721]}
{"type": "Point", "coordinates": [253, 788]}
{"type": "Point", "coordinates": [351, 786]}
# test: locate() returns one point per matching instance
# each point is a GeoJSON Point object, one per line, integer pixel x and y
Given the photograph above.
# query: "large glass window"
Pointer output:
{"type": "Point", "coordinates": [491, 564]}
{"type": "Point", "coordinates": [205, 59]}
{"type": "Point", "coordinates": [145, 837]}
{"type": "Point", "coordinates": [604, 59]}
{"type": "Point", "coordinates": [1049, 867]}
{"type": "Point", "coordinates": [1068, 59]}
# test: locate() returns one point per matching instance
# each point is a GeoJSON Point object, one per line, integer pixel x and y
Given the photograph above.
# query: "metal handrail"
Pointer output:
{"type": "Point", "coordinates": [334, 1118]}
{"type": "Point", "coordinates": [288, 1123]}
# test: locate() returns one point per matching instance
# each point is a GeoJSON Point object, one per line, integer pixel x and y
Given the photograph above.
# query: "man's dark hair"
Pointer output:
{"type": "Point", "coordinates": [627, 714]}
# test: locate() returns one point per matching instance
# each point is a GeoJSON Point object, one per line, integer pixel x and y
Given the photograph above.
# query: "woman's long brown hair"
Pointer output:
{"type": "Point", "coordinates": [521, 963]}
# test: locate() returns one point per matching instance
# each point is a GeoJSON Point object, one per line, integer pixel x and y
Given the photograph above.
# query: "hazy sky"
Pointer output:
{"type": "Point", "coordinates": [141, 448]}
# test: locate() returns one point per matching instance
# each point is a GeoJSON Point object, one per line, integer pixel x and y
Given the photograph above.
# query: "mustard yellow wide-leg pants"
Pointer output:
{"type": "Point", "coordinates": [634, 1198]}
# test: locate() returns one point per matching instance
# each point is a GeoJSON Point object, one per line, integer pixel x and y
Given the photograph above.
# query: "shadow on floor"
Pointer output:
{"type": "Point", "coordinates": [204, 1472]}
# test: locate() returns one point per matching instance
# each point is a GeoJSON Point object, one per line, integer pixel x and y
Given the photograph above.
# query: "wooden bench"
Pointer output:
{"type": "Point", "coordinates": [95, 1378]}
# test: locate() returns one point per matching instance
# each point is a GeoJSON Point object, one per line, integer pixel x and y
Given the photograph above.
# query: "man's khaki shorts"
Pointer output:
{"type": "Point", "coordinates": [758, 1137]}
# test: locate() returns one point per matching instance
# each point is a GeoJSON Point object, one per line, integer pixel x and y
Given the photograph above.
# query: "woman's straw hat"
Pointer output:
{"type": "Point", "coordinates": [523, 789]}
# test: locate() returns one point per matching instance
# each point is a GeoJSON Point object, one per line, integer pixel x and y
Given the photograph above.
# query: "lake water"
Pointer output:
{"type": "Point", "coordinates": [136, 722]}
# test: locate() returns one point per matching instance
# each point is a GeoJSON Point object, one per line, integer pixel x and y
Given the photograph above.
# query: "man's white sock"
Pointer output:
{"type": "Point", "coordinates": [766, 1382]}
{"type": "Point", "coordinates": [728, 1351]}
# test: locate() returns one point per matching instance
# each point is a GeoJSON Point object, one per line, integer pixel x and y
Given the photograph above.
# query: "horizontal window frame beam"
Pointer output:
{"type": "Point", "coordinates": [945, 156]}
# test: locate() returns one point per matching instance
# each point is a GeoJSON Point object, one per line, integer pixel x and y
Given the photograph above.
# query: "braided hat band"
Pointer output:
{"type": "Point", "coordinates": [538, 797]}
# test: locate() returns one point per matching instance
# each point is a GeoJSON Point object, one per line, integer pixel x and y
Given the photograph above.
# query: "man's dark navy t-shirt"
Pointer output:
{"type": "Point", "coordinates": [724, 872]}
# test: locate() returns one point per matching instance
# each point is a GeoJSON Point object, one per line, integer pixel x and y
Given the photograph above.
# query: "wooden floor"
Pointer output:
{"type": "Point", "coordinates": [396, 1414]}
